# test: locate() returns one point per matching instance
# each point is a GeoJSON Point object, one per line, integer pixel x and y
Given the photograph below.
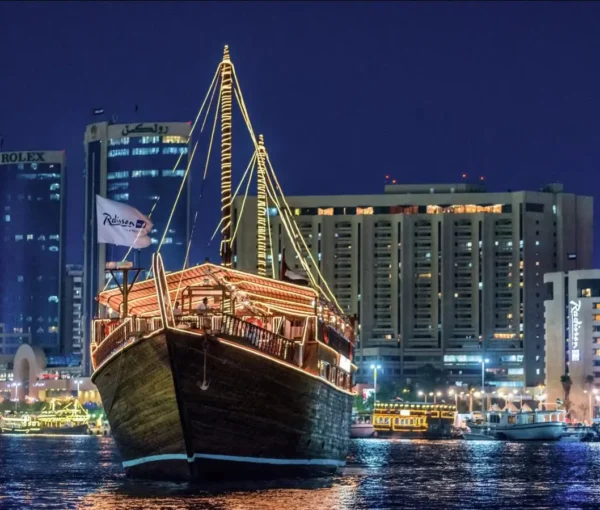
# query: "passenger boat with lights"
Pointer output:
{"type": "Point", "coordinates": [519, 426]}
{"type": "Point", "coordinates": [413, 420]}
{"type": "Point", "coordinates": [257, 385]}
{"type": "Point", "coordinates": [69, 419]}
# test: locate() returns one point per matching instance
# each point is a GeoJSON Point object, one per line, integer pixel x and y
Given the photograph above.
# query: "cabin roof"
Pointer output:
{"type": "Point", "coordinates": [265, 294]}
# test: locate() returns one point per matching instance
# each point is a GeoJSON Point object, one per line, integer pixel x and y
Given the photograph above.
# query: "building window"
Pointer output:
{"type": "Point", "coordinates": [117, 175]}
{"type": "Point", "coordinates": [18, 237]}
{"type": "Point", "coordinates": [121, 196]}
{"type": "Point", "coordinates": [55, 196]}
{"type": "Point", "coordinates": [175, 139]}
{"type": "Point", "coordinates": [118, 152]}
{"type": "Point", "coordinates": [146, 151]}
{"type": "Point", "coordinates": [54, 187]}
{"type": "Point", "coordinates": [7, 218]}
{"type": "Point", "coordinates": [53, 299]}
{"type": "Point", "coordinates": [144, 173]}
{"type": "Point", "coordinates": [150, 139]}
{"type": "Point", "coordinates": [119, 141]}
{"type": "Point", "coordinates": [171, 173]}
{"type": "Point", "coordinates": [174, 150]}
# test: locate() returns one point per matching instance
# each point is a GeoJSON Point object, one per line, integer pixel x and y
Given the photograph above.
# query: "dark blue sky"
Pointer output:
{"type": "Point", "coordinates": [345, 92]}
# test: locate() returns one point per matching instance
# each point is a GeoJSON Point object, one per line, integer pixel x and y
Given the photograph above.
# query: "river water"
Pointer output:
{"type": "Point", "coordinates": [85, 473]}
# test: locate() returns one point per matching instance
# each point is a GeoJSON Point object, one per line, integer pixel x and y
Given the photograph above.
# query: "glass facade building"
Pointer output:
{"type": "Point", "coordinates": [142, 165]}
{"type": "Point", "coordinates": [32, 225]}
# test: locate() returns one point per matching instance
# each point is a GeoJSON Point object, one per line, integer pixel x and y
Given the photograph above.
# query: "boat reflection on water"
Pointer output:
{"type": "Point", "coordinates": [322, 493]}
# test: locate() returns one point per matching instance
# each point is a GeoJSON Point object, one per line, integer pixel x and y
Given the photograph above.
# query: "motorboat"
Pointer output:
{"type": "Point", "coordinates": [362, 426]}
{"type": "Point", "coordinates": [520, 426]}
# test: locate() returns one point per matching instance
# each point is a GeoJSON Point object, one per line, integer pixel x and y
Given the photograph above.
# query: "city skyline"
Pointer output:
{"type": "Point", "coordinates": [506, 113]}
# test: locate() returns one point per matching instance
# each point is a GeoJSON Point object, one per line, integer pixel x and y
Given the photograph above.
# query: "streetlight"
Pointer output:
{"type": "Point", "coordinates": [483, 362]}
{"type": "Point", "coordinates": [78, 383]}
{"type": "Point", "coordinates": [375, 368]}
{"type": "Point", "coordinates": [452, 392]}
{"type": "Point", "coordinates": [421, 394]}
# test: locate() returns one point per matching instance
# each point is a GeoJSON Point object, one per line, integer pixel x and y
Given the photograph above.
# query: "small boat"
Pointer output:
{"type": "Point", "coordinates": [575, 434]}
{"type": "Point", "coordinates": [71, 419]}
{"type": "Point", "coordinates": [413, 420]}
{"type": "Point", "coordinates": [521, 426]}
{"type": "Point", "coordinates": [482, 435]}
{"type": "Point", "coordinates": [362, 426]}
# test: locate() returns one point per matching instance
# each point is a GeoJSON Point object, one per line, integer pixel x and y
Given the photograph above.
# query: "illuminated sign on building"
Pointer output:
{"type": "Point", "coordinates": [575, 328]}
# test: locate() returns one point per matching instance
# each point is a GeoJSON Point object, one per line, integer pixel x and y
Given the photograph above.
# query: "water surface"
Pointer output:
{"type": "Point", "coordinates": [85, 473]}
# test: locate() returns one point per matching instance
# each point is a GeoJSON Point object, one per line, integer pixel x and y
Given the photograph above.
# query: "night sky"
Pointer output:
{"type": "Point", "coordinates": [344, 92]}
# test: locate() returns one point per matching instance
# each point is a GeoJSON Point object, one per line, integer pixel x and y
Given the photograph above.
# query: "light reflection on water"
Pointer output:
{"type": "Point", "coordinates": [85, 473]}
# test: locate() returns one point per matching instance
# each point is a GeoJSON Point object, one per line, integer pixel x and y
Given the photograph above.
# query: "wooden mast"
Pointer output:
{"type": "Point", "coordinates": [261, 203]}
{"type": "Point", "coordinates": [226, 111]}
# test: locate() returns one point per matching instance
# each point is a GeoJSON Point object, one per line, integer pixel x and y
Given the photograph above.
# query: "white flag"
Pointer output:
{"type": "Point", "coordinates": [121, 224]}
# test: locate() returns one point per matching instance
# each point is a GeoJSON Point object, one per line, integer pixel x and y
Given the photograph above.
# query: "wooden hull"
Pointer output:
{"type": "Point", "coordinates": [246, 416]}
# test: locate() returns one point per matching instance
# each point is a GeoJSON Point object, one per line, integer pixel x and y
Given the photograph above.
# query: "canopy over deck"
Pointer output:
{"type": "Point", "coordinates": [250, 291]}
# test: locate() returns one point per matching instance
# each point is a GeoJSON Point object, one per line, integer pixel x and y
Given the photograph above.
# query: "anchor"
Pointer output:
{"type": "Point", "coordinates": [205, 384]}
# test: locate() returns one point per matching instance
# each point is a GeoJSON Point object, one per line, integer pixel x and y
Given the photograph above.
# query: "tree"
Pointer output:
{"type": "Point", "coordinates": [566, 382]}
{"type": "Point", "coordinates": [431, 377]}
{"type": "Point", "coordinates": [589, 380]}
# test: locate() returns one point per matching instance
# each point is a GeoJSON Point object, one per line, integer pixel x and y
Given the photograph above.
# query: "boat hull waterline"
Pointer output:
{"type": "Point", "coordinates": [185, 406]}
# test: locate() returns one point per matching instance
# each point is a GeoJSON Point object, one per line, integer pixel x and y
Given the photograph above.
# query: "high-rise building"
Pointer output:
{"type": "Point", "coordinates": [572, 313]}
{"type": "Point", "coordinates": [32, 226]}
{"type": "Point", "coordinates": [140, 164]}
{"type": "Point", "coordinates": [72, 295]}
{"type": "Point", "coordinates": [447, 275]}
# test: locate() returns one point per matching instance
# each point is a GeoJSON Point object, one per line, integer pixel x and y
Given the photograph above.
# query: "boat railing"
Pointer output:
{"type": "Point", "coordinates": [260, 339]}
{"type": "Point", "coordinates": [111, 335]}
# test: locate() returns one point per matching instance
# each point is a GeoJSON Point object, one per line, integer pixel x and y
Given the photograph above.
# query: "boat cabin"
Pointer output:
{"type": "Point", "coordinates": [412, 417]}
{"type": "Point", "coordinates": [289, 322]}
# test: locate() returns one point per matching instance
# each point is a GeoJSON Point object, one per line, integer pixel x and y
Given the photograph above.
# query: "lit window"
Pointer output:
{"type": "Point", "coordinates": [117, 175]}
{"type": "Point", "coordinates": [7, 217]}
{"type": "Point", "coordinates": [53, 248]}
{"type": "Point", "coordinates": [55, 186]}
{"type": "Point", "coordinates": [150, 139]}
{"type": "Point", "coordinates": [364, 210]}
{"type": "Point", "coordinates": [120, 196]}
{"type": "Point", "coordinates": [118, 152]}
{"type": "Point", "coordinates": [272, 211]}
{"type": "Point", "coordinates": [175, 139]}
{"type": "Point", "coordinates": [30, 237]}
{"type": "Point", "coordinates": [325, 211]}
{"type": "Point", "coordinates": [144, 173]}
{"type": "Point", "coordinates": [55, 196]}
{"type": "Point", "coordinates": [53, 299]}
{"type": "Point", "coordinates": [168, 240]}
{"type": "Point", "coordinates": [34, 166]}
{"type": "Point", "coordinates": [174, 150]}
{"type": "Point", "coordinates": [146, 151]}
{"type": "Point", "coordinates": [20, 278]}
{"type": "Point", "coordinates": [54, 237]}
{"type": "Point", "coordinates": [171, 173]}
{"type": "Point", "coordinates": [18, 237]}
{"type": "Point", "coordinates": [119, 141]}
{"type": "Point", "coordinates": [537, 371]}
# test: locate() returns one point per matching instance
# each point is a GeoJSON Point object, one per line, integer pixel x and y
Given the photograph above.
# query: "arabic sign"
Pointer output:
{"type": "Point", "coordinates": [10, 158]}
{"type": "Point", "coordinates": [575, 307]}
{"type": "Point", "coordinates": [145, 129]}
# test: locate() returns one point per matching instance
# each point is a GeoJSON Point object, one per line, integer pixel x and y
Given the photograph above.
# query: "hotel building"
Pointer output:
{"type": "Point", "coordinates": [445, 275]}
{"type": "Point", "coordinates": [134, 164]}
{"type": "Point", "coordinates": [31, 260]}
{"type": "Point", "coordinates": [572, 317]}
